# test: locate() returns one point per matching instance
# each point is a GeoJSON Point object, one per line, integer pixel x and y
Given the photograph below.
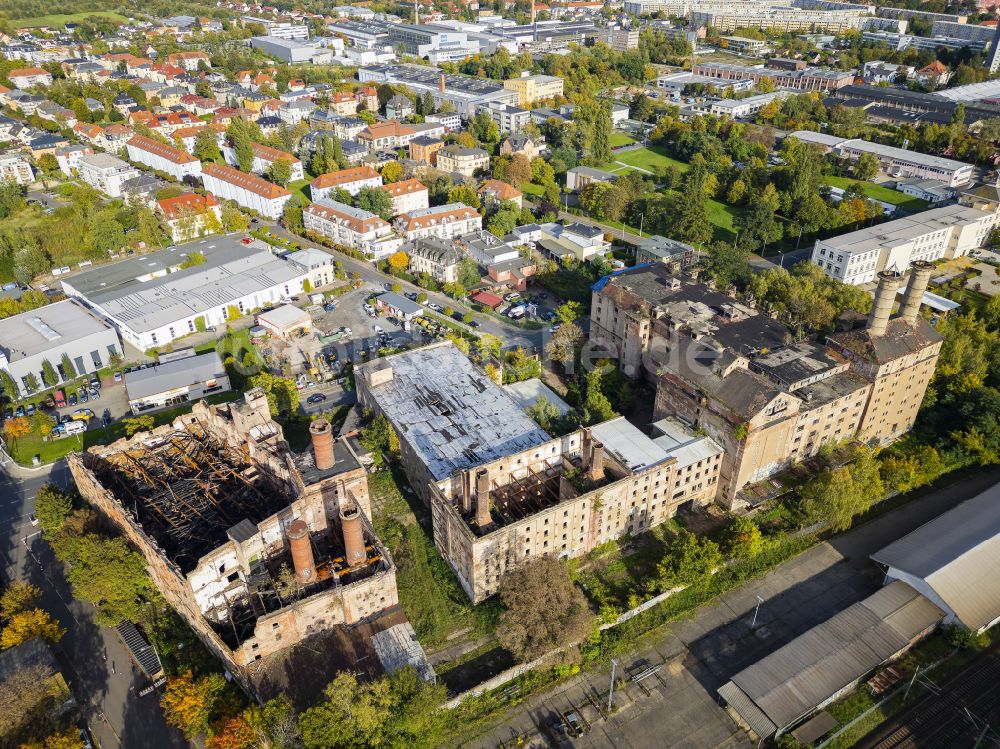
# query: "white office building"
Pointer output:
{"type": "Point", "coordinates": [152, 300]}
{"type": "Point", "coordinates": [106, 173]}
{"type": "Point", "coordinates": [940, 233]}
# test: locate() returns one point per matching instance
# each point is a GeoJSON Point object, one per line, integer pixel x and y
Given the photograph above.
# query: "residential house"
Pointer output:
{"type": "Point", "coordinates": [190, 215]}
{"type": "Point", "coordinates": [522, 144]}
{"type": "Point", "coordinates": [460, 160]}
{"type": "Point", "coordinates": [16, 167]}
{"type": "Point", "coordinates": [436, 257]}
{"type": "Point", "coordinates": [161, 157]}
{"type": "Point", "coordinates": [407, 195]}
{"type": "Point", "coordinates": [399, 107]}
{"type": "Point", "coordinates": [494, 191]}
{"type": "Point", "coordinates": [248, 190]}
{"type": "Point", "coordinates": [68, 157]}
{"type": "Point", "coordinates": [579, 177]}
{"type": "Point", "coordinates": [264, 158]}
{"type": "Point", "coordinates": [386, 135]}
{"type": "Point", "coordinates": [935, 75]}
{"type": "Point", "coordinates": [351, 227]}
{"type": "Point", "coordinates": [351, 180]}
{"type": "Point", "coordinates": [25, 78]}
{"type": "Point", "coordinates": [424, 149]}
{"type": "Point", "coordinates": [106, 173]}
{"type": "Point", "coordinates": [445, 222]}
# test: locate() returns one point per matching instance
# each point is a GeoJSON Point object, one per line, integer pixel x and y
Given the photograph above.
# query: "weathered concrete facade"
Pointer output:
{"type": "Point", "coordinates": [232, 578]}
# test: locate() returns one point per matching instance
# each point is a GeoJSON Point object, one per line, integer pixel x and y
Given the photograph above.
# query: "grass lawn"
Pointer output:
{"type": "Point", "coordinates": [878, 192]}
{"type": "Point", "coordinates": [649, 158]}
{"type": "Point", "coordinates": [429, 592]}
{"type": "Point", "coordinates": [298, 187]}
{"type": "Point", "coordinates": [530, 188]}
{"type": "Point", "coordinates": [621, 139]}
{"type": "Point", "coordinates": [721, 216]}
{"type": "Point", "coordinates": [61, 19]}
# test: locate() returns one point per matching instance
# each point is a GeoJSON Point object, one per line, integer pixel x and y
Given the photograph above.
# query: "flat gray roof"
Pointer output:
{"type": "Point", "coordinates": [40, 330]}
{"type": "Point", "coordinates": [958, 555]}
{"type": "Point", "coordinates": [452, 415]}
{"type": "Point", "coordinates": [129, 292]}
{"type": "Point", "coordinates": [790, 683]}
{"type": "Point", "coordinates": [527, 393]}
{"type": "Point", "coordinates": [629, 445]}
{"type": "Point", "coordinates": [159, 378]}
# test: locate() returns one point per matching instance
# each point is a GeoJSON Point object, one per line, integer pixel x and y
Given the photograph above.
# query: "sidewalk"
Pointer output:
{"type": "Point", "coordinates": [698, 654]}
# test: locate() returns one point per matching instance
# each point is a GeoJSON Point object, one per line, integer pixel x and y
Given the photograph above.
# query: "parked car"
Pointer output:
{"type": "Point", "coordinates": [72, 399]}
{"type": "Point", "coordinates": [19, 412]}
{"type": "Point", "coordinates": [118, 376]}
{"type": "Point", "coordinates": [95, 384]}
{"type": "Point", "coordinates": [95, 395]}
{"type": "Point", "coordinates": [317, 398]}
{"type": "Point", "coordinates": [65, 419]}
{"type": "Point", "coordinates": [83, 414]}
{"type": "Point", "coordinates": [30, 410]}
{"type": "Point", "coordinates": [83, 396]}
{"type": "Point", "coordinates": [60, 399]}
{"type": "Point", "coordinates": [436, 307]}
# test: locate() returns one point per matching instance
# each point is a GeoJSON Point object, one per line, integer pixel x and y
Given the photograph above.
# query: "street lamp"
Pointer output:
{"type": "Point", "coordinates": [756, 609]}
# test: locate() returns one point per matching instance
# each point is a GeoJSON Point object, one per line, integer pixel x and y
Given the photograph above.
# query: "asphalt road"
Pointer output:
{"type": "Point", "coordinates": [95, 663]}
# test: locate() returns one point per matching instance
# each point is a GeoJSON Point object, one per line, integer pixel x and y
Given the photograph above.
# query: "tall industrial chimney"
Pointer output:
{"type": "Point", "coordinates": [354, 535]}
{"type": "Point", "coordinates": [885, 297]}
{"type": "Point", "coordinates": [441, 85]}
{"type": "Point", "coordinates": [483, 518]}
{"type": "Point", "coordinates": [322, 444]}
{"type": "Point", "coordinates": [302, 553]}
{"type": "Point", "coordinates": [920, 277]}
{"type": "Point", "coordinates": [596, 472]}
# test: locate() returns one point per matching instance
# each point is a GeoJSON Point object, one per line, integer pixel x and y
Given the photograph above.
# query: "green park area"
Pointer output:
{"type": "Point", "coordinates": [879, 192]}
{"type": "Point", "coordinates": [645, 159]}
{"type": "Point", "coordinates": [61, 19]}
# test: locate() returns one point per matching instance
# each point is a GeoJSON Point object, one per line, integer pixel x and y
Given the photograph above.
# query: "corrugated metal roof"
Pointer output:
{"type": "Point", "coordinates": [797, 678]}
{"type": "Point", "coordinates": [737, 699]}
{"type": "Point", "coordinates": [958, 555]}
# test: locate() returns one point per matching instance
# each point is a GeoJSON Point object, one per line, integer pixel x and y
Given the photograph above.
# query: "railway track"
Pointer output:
{"type": "Point", "coordinates": [957, 717]}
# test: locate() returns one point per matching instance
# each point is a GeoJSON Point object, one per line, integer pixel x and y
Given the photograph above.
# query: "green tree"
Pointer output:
{"type": "Point", "coordinates": [503, 221]}
{"type": "Point", "coordinates": [544, 609]}
{"type": "Point", "coordinates": [866, 167]}
{"type": "Point", "coordinates": [241, 135]}
{"type": "Point", "coordinates": [596, 406]}
{"type": "Point", "coordinates": [838, 494]}
{"type": "Point", "coordinates": [392, 172]}
{"type": "Point", "coordinates": [691, 561]}
{"type": "Point", "coordinates": [569, 312]}
{"type": "Point", "coordinates": [136, 424]}
{"type": "Point", "coordinates": [380, 439]}
{"type": "Point", "coordinates": [206, 146]}
{"type": "Point", "coordinates": [52, 508]}
{"type": "Point", "coordinates": [743, 538]}
{"type": "Point", "coordinates": [8, 386]}
{"type": "Point", "coordinates": [233, 219]}
{"type": "Point", "coordinates": [107, 573]}
{"type": "Point", "coordinates": [49, 375]}
{"type": "Point", "coordinates": [468, 273]}
{"type": "Point", "coordinates": [281, 172]}
{"type": "Point", "coordinates": [465, 194]}
{"type": "Point", "coordinates": [375, 200]}
{"type": "Point", "coordinates": [600, 150]}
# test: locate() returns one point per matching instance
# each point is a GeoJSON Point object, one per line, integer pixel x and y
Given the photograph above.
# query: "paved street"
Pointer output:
{"type": "Point", "coordinates": [698, 654]}
{"type": "Point", "coordinates": [115, 714]}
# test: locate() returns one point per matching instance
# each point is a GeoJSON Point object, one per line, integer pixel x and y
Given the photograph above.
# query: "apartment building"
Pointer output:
{"type": "Point", "coordinates": [190, 216]}
{"type": "Point", "coordinates": [350, 180]}
{"type": "Point", "coordinates": [264, 158]}
{"type": "Point", "coordinates": [163, 158]}
{"type": "Point", "coordinates": [896, 162]}
{"type": "Point", "coordinates": [386, 135]}
{"type": "Point", "coordinates": [464, 94]}
{"type": "Point", "coordinates": [15, 166]}
{"type": "Point", "coordinates": [509, 118]}
{"type": "Point", "coordinates": [407, 195]}
{"type": "Point", "coordinates": [722, 366]}
{"type": "Point", "coordinates": [951, 231]}
{"type": "Point", "coordinates": [784, 19]}
{"type": "Point", "coordinates": [461, 160]}
{"type": "Point", "coordinates": [424, 149]}
{"type": "Point", "coordinates": [443, 221]}
{"type": "Point", "coordinates": [25, 78]}
{"type": "Point", "coordinates": [501, 490]}
{"type": "Point", "coordinates": [68, 157]}
{"type": "Point", "coordinates": [247, 190]}
{"type": "Point", "coordinates": [436, 257]}
{"type": "Point", "coordinates": [106, 173]}
{"type": "Point", "coordinates": [532, 88]}
{"type": "Point", "coordinates": [351, 227]}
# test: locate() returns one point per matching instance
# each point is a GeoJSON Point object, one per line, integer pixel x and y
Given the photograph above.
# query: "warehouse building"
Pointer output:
{"type": "Point", "coordinates": [47, 334]}
{"type": "Point", "coordinates": [152, 300]}
{"type": "Point", "coordinates": [223, 512]}
{"type": "Point", "coordinates": [465, 94]}
{"type": "Point", "coordinates": [954, 560]}
{"type": "Point", "coordinates": [896, 162]}
{"type": "Point", "coordinates": [500, 489]}
{"type": "Point", "coordinates": [174, 382]}
{"type": "Point", "coordinates": [794, 682]}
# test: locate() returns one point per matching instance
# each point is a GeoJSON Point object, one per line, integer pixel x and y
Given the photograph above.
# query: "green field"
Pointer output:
{"type": "Point", "coordinates": [647, 158]}
{"type": "Point", "coordinates": [878, 192]}
{"type": "Point", "coordinates": [299, 187]}
{"type": "Point", "coordinates": [61, 19]}
{"type": "Point", "coordinates": [721, 216]}
{"type": "Point", "coordinates": [621, 139]}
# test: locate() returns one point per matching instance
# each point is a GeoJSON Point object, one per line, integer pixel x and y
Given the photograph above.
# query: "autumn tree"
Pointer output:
{"type": "Point", "coordinates": [190, 704]}
{"type": "Point", "coordinates": [399, 261]}
{"type": "Point", "coordinates": [465, 194]}
{"type": "Point", "coordinates": [392, 172]}
{"type": "Point", "coordinates": [518, 170]}
{"type": "Point", "coordinates": [27, 625]}
{"type": "Point", "coordinates": [17, 598]}
{"type": "Point", "coordinates": [233, 219]}
{"type": "Point", "coordinates": [135, 424]}
{"type": "Point", "coordinates": [543, 609]}
{"type": "Point", "coordinates": [281, 172]}
{"type": "Point", "coordinates": [563, 344]}
{"type": "Point", "coordinates": [690, 561]}
{"type": "Point", "coordinates": [17, 427]}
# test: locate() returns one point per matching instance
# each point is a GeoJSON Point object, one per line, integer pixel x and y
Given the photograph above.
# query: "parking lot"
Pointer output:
{"type": "Point", "coordinates": [111, 403]}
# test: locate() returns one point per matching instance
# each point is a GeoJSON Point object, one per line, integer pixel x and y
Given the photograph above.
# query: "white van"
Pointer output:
{"type": "Point", "coordinates": [76, 427]}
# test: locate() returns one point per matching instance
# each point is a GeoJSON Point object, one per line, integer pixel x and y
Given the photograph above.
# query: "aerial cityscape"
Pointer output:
{"type": "Point", "coordinates": [539, 374]}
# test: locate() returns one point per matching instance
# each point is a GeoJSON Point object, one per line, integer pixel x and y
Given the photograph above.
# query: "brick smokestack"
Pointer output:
{"type": "Point", "coordinates": [885, 297]}
{"type": "Point", "coordinates": [483, 518]}
{"type": "Point", "coordinates": [354, 535]}
{"type": "Point", "coordinates": [302, 553]}
{"type": "Point", "coordinates": [919, 279]}
{"type": "Point", "coordinates": [585, 442]}
{"type": "Point", "coordinates": [596, 470]}
{"type": "Point", "coordinates": [322, 444]}
{"type": "Point", "coordinates": [441, 83]}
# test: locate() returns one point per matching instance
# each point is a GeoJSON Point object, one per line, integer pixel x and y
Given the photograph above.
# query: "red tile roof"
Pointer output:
{"type": "Point", "coordinates": [344, 176]}
{"type": "Point", "coordinates": [162, 150]}
{"type": "Point", "coordinates": [187, 204]}
{"type": "Point", "coordinates": [250, 182]}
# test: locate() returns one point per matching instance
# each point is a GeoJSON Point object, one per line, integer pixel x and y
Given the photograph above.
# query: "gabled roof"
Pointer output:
{"type": "Point", "coordinates": [345, 176]}
{"type": "Point", "coordinates": [250, 182]}
{"type": "Point", "coordinates": [187, 204]}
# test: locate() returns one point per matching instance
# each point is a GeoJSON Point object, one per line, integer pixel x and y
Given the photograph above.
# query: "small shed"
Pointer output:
{"type": "Point", "coordinates": [285, 321]}
{"type": "Point", "coordinates": [399, 306]}
{"type": "Point", "coordinates": [487, 299]}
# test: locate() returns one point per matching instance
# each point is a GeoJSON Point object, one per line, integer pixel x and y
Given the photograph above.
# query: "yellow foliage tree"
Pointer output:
{"type": "Point", "coordinates": [27, 625]}
{"type": "Point", "coordinates": [69, 739]}
{"type": "Point", "coordinates": [17, 427]}
{"type": "Point", "coordinates": [399, 261]}
{"type": "Point", "coordinates": [189, 704]}
{"type": "Point", "coordinates": [17, 598]}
